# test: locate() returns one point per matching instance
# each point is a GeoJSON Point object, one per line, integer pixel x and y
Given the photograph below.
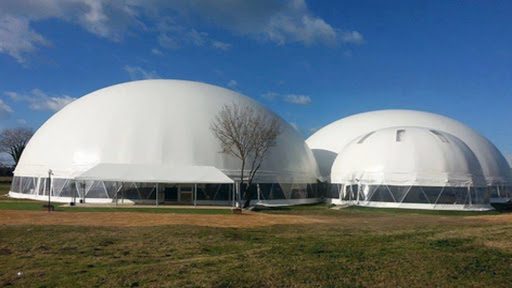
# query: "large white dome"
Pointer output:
{"type": "Point", "coordinates": [407, 156]}
{"type": "Point", "coordinates": [329, 142]}
{"type": "Point", "coordinates": [154, 122]}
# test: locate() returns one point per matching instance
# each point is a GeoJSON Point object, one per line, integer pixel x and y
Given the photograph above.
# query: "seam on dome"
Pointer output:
{"type": "Point", "coordinates": [365, 137]}
{"type": "Point", "coordinates": [440, 136]}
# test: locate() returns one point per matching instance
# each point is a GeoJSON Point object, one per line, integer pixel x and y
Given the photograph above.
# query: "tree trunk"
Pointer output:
{"type": "Point", "coordinates": [248, 195]}
{"type": "Point", "coordinates": [242, 190]}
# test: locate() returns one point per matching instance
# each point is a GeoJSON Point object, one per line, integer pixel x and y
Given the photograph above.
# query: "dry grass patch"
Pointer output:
{"type": "Point", "coordinates": [136, 219]}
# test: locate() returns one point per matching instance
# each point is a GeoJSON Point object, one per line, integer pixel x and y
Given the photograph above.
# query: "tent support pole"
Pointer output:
{"type": "Point", "coordinates": [233, 195]}
{"type": "Point", "coordinates": [195, 195]}
{"type": "Point", "coordinates": [156, 194]}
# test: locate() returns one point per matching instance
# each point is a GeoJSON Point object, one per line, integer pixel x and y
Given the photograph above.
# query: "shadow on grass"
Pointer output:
{"type": "Point", "coordinates": [325, 209]}
{"type": "Point", "coordinates": [30, 205]}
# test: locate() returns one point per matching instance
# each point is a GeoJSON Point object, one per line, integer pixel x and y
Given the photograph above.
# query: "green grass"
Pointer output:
{"type": "Point", "coordinates": [359, 247]}
{"type": "Point", "coordinates": [327, 255]}
{"type": "Point", "coordinates": [18, 204]}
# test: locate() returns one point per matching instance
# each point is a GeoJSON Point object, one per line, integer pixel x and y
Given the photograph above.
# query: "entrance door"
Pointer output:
{"type": "Point", "coordinates": [186, 194]}
{"type": "Point", "coordinates": [171, 193]}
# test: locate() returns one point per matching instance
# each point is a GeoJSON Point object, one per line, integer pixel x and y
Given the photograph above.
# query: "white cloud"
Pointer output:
{"type": "Point", "coordinates": [173, 36]}
{"type": "Point", "coordinates": [297, 99]}
{"type": "Point", "coordinates": [220, 45]}
{"type": "Point", "coordinates": [138, 73]}
{"type": "Point", "coordinates": [351, 37]}
{"type": "Point", "coordinates": [40, 101]}
{"type": "Point", "coordinates": [5, 110]}
{"type": "Point", "coordinates": [21, 122]}
{"type": "Point", "coordinates": [106, 19]}
{"type": "Point", "coordinates": [290, 98]}
{"type": "Point", "coordinates": [232, 84]}
{"type": "Point", "coordinates": [17, 38]}
{"type": "Point", "coordinates": [280, 22]}
{"type": "Point", "coordinates": [156, 52]}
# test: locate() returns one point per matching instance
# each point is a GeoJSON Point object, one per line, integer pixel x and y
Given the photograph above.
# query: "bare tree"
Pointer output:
{"type": "Point", "coordinates": [247, 135]}
{"type": "Point", "coordinates": [13, 141]}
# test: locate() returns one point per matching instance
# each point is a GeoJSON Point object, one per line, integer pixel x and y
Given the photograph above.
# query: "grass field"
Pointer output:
{"type": "Point", "coordinates": [353, 247]}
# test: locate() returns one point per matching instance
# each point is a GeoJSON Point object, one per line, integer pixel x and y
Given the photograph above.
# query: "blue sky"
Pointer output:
{"type": "Point", "coordinates": [312, 62]}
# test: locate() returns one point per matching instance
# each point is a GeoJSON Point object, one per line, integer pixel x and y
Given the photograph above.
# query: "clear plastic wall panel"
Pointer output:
{"type": "Point", "coordinates": [215, 192]}
{"type": "Point", "coordinates": [399, 192]}
{"type": "Point", "coordinates": [43, 186]}
{"type": "Point", "coordinates": [506, 191]}
{"type": "Point", "coordinates": [69, 189]}
{"type": "Point", "coordinates": [253, 189]}
{"type": "Point", "coordinates": [170, 192]}
{"type": "Point", "coordinates": [148, 191]}
{"type": "Point", "coordinates": [131, 191]}
{"type": "Point", "coordinates": [381, 194]}
{"type": "Point", "coordinates": [350, 192]}
{"type": "Point", "coordinates": [265, 191]}
{"type": "Point", "coordinates": [479, 195]}
{"type": "Point", "coordinates": [416, 195]}
{"type": "Point", "coordinates": [312, 191]}
{"type": "Point", "coordinates": [432, 193]}
{"type": "Point", "coordinates": [346, 192]}
{"type": "Point", "coordinates": [365, 191]}
{"type": "Point", "coordinates": [57, 185]}
{"type": "Point", "coordinates": [277, 192]}
{"type": "Point", "coordinates": [223, 193]}
{"type": "Point", "coordinates": [111, 188]}
{"type": "Point", "coordinates": [28, 185]}
{"type": "Point", "coordinates": [287, 190]}
{"type": "Point", "coordinates": [453, 195]}
{"type": "Point", "coordinates": [299, 191]}
{"type": "Point", "coordinates": [494, 191]}
{"type": "Point", "coordinates": [97, 190]}
{"type": "Point", "coordinates": [500, 191]}
{"type": "Point", "coordinates": [201, 193]}
{"type": "Point", "coordinates": [16, 184]}
{"type": "Point", "coordinates": [82, 187]}
{"type": "Point", "coordinates": [334, 191]}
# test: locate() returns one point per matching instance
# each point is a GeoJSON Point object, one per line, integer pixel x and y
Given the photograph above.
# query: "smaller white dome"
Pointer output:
{"type": "Point", "coordinates": [328, 142]}
{"type": "Point", "coordinates": [408, 156]}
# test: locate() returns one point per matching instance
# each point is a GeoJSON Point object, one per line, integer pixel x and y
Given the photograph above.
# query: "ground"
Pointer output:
{"type": "Point", "coordinates": [308, 246]}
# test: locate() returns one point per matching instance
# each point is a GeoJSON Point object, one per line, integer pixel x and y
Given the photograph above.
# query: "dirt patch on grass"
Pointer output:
{"type": "Point", "coordinates": [134, 219]}
{"type": "Point", "coordinates": [502, 218]}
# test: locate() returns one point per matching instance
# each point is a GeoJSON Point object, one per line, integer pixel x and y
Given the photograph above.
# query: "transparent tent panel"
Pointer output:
{"type": "Point", "coordinates": [215, 192]}
{"type": "Point", "coordinates": [28, 185]}
{"type": "Point", "coordinates": [416, 194]}
{"type": "Point", "coordinates": [267, 191]}
{"type": "Point", "coordinates": [16, 184]}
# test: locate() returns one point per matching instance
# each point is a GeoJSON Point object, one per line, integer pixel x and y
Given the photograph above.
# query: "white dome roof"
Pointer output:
{"type": "Point", "coordinates": [329, 141]}
{"type": "Point", "coordinates": [154, 122]}
{"type": "Point", "coordinates": [407, 156]}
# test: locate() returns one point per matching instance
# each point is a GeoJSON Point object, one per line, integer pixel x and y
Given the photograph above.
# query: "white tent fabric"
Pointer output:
{"type": "Point", "coordinates": [155, 122]}
{"type": "Point", "coordinates": [406, 156]}
{"type": "Point", "coordinates": [328, 143]}
{"type": "Point", "coordinates": [155, 174]}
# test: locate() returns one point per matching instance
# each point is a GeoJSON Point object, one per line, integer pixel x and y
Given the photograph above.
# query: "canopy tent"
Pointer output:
{"type": "Point", "coordinates": [155, 174]}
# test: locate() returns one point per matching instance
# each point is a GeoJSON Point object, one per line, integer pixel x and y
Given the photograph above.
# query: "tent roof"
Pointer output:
{"type": "Point", "coordinates": [155, 174]}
